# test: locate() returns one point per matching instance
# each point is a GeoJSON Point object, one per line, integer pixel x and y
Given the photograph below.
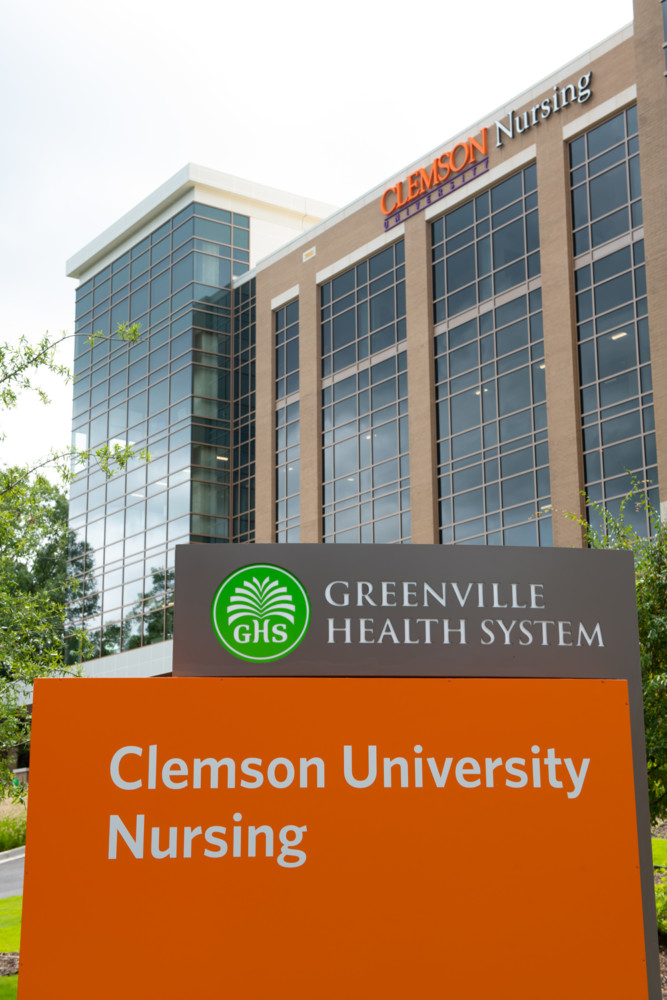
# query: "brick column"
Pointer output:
{"type": "Point", "coordinates": [652, 113]}
{"type": "Point", "coordinates": [421, 391]}
{"type": "Point", "coordinates": [560, 337]}
{"type": "Point", "coordinates": [265, 435]}
{"type": "Point", "coordinates": [310, 412]}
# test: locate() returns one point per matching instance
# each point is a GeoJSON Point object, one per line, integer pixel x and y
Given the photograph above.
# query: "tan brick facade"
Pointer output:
{"type": "Point", "coordinates": [621, 69]}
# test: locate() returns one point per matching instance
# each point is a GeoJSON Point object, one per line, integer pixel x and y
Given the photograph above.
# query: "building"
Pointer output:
{"type": "Point", "coordinates": [454, 357]}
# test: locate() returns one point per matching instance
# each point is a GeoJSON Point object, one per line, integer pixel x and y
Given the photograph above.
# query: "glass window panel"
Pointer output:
{"type": "Point", "coordinates": [625, 426]}
{"type": "Point", "coordinates": [512, 337]}
{"type": "Point", "coordinates": [518, 489]}
{"type": "Point", "coordinates": [343, 329]}
{"type": "Point", "coordinates": [179, 500]}
{"type": "Point", "coordinates": [461, 269]}
{"type": "Point", "coordinates": [381, 262]}
{"type": "Point", "coordinates": [462, 334]}
{"type": "Point", "coordinates": [343, 284]}
{"type": "Point", "coordinates": [386, 472]}
{"type": "Point", "coordinates": [467, 479]}
{"type": "Point", "coordinates": [160, 288]}
{"type": "Point", "coordinates": [507, 192]}
{"type": "Point", "coordinates": [616, 352]}
{"type": "Point", "coordinates": [507, 277]}
{"type": "Point", "coordinates": [613, 263]}
{"type": "Point", "coordinates": [610, 227]}
{"type": "Point", "coordinates": [382, 310]}
{"type": "Point", "coordinates": [156, 509]}
{"type": "Point", "coordinates": [460, 301]}
{"type": "Point", "coordinates": [635, 178]}
{"type": "Point", "coordinates": [135, 518]}
{"type": "Point", "coordinates": [524, 534]}
{"type": "Point", "coordinates": [483, 257]}
{"type": "Point", "coordinates": [607, 159]}
{"type": "Point", "coordinates": [138, 303]}
{"type": "Point", "coordinates": [460, 240]}
{"type": "Point", "coordinates": [625, 457]}
{"type": "Point", "coordinates": [605, 136]}
{"type": "Point", "coordinates": [381, 283]}
{"type": "Point", "coordinates": [383, 394]}
{"type": "Point", "coordinates": [580, 206]}
{"type": "Point", "coordinates": [182, 272]}
{"type": "Point", "coordinates": [516, 461]}
{"type": "Point", "coordinates": [385, 442]}
{"type": "Point", "coordinates": [468, 505]}
{"type": "Point", "coordinates": [345, 457]}
{"type": "Point", "coordinates": [158, 396]}
{"type": "Point", "coordinates": [463, 359]}
{"type": "Point", "coordinates": [532, 231]}
{"type": "Point", "coordinates": [515, 426]}
{"type": "Point", "coordinates": [117, 420]}
{"type": "Point", "coordinates": [467, 444]}
{"type": "Point", "coordinates": [465, 410]}
{"type": "Point", "coordinates": [608, 191]}
{"type": "Point", "coordinates": [514, 391]}
{"type": "Point", "coordinates": [461, 218]}
{"type": "Point", "coordinates": [611, 294]}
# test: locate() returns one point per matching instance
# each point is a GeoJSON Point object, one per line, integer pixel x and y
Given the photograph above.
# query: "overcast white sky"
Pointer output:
{"type": "Point", "coordinates": [103, 101]}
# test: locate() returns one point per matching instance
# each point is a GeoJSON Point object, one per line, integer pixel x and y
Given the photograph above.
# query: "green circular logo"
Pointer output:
{"type": "Point", "coordinates": [260, 613]}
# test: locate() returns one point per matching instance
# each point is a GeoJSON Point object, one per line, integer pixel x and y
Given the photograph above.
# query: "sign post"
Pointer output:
{"type": "Point", "coordinates": [378, 771]}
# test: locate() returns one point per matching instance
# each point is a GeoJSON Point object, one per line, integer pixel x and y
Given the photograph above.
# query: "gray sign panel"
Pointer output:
{"type": "Point", "coordinates": [410, 610]}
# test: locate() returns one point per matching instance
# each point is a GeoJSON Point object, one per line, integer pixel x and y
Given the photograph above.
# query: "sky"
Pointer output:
{"type": "Point", "coordinates": [105, 101]}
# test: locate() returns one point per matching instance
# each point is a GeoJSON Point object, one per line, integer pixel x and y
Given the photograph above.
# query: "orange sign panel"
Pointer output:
{"type": "Point", "coordinates": [330, 837]}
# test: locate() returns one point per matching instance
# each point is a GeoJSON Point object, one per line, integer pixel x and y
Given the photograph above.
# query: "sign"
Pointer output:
{"type": "Point", "coordinates": [415, 610]}
{"type": "Point", "coordinates": [468, 159]}
{"type": "Point", "coordinates": [319, 837]}
{"type": "Point", "coordinates": [380, 771]}
{"type": "Point", "coordinates": [561, 98]}
{"type": "Point", "coordinates": [260, 613]}
{"type": "Point", "coordinates": [448, 172]}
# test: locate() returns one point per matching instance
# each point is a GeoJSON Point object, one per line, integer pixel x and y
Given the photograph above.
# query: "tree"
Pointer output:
{"type": "Point", "coordinates": [33, 531]}
{"type": "Point", "coordinates": [650, 556]}
{"type": "Point", "coordinates": [18, 365]}
{"type": "Point", "coordinates": [35, 589]}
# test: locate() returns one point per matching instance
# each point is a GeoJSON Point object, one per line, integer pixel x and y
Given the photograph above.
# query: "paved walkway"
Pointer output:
{"type": "Point", "coordinates": [11, 872]}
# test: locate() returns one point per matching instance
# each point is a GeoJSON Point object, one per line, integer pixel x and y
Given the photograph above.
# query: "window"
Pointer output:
{"type": "Point", "coordinates": [366, 461]}
{"type": "Point", "coordinates": [493, 455]}
{"type": "Point", "coordinates": [363, 310]}
{"type": "Point", "coordinates": [486, 246]}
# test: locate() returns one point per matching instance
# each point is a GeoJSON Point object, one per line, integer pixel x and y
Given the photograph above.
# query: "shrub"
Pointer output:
{"type": "Point", "coordinates": [12, 832]}
{"type": "Point", "coordinates": [661, 905]}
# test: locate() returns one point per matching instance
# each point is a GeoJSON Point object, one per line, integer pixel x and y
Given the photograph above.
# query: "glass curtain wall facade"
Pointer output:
{"type": "Point", "coordinates": [366, 488]}
{"type": "Point", "coordinates": [618, 424]}
{"type": "Point", "coordinates": [170, 393]}
{"type": "Point", "coordinates": [493, 455]}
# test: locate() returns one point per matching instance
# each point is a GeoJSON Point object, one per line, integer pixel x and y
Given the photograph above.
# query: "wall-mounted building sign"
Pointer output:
{"type": "Point", "coordinates": [516, 124]}
{"type": "Point", "coordinates": [448, 172]}
{"type": "Point", "coordinates": [468, 159]}
{"type": "Point", "coordinates": [336, 832]}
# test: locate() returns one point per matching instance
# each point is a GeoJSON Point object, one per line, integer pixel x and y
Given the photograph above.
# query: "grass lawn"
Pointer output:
{"type": "Point", "coordinates": [10, 935]}
{"type": "Point", "coordinates": [10, 926]}
{"type": "Point", "coordinates": [659, 845]}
